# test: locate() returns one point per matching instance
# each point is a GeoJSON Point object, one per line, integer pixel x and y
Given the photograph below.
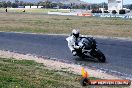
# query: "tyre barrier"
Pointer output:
{"type": "Point", "coordinates": [94, 14]}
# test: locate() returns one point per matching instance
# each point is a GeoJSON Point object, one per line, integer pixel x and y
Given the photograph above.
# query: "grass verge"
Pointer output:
{"type": "Point", "coordinates": [34, 10]}
{"type": "Point", "coordinates": [40, 23]}
{"type": "Point", "coordinates": [30, 74]}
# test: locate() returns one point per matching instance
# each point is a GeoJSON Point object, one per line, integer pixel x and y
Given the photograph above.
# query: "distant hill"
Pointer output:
{"type": "Point", "coordinates": [55, 1]}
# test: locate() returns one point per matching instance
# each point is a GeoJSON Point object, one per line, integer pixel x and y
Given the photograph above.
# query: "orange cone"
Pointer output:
{"type": "Point", "coordinates": [84, 73]}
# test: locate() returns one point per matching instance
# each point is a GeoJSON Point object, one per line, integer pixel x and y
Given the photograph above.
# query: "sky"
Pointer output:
{"type": "Point", "coordinates": [89, 1]}
{"type": "Point", "coordinates": [99, 1]}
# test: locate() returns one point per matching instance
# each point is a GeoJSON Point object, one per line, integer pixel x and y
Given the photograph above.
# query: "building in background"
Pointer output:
{"type": "Point", "coordinates": [115, 5]}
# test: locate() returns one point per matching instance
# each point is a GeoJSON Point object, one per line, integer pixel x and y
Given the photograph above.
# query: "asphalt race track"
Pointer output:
{"type": "Point", "coordinates": [117, 52]}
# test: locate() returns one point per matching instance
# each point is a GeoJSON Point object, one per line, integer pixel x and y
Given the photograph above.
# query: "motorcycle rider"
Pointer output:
{"type": "Point", "coordinates": [84, 46]}
{"type": "Point", "coordinates": [73, 41]}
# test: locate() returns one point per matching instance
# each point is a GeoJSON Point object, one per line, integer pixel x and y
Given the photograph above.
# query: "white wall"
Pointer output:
{"type": "Point", "coordinates": [34, 7]}
{"type": "Point", "coordinates": [27, 6]}
{"type": "Point", "coordinates": [40, 6]}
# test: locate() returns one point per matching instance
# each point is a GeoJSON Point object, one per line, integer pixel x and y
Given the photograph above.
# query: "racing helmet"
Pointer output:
{"type": "Point", "coordinates": [75, 33]}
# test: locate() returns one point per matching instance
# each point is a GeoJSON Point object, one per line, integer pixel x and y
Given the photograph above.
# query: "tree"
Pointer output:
{"type": "Point", "coordinates": [48, 4]}
{"type": "Point", "coordinates": [1, 4]}
{"type": "Point", "coordinates": [76, 7]}
{"type": "Point", "coordinates": [16, 1]}
{"type": "Point", "coordinates": [40, 3]}
{"type": "Point", "coordinates": [60, 5]}
{"type": "Point", "coordinates": [4, 4]}
{"type": "Point", "coordinates": [54, 5]}
{"type": "Point", "coordinates": [103, 5]}
{"type": "Point", "coordinates": [130, 7]}
{"type": "Point", "coordinates": [21, 3]}
{"type": "Point", "coordinates": [14, 5]}
{"type": "Point", "coordinates": [94, 6]}
{"type": "Point", "coordinates": [82, 6]}
{"type": "Point", "coordinates": [8, 4]}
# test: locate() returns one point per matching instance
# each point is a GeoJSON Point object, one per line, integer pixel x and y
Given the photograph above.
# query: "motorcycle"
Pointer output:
{"type": "Point", "coordinates": [89, 49]}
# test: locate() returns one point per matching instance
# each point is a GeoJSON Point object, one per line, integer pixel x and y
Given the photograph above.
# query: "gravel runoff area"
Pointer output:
{"type": "Point", "coordinates": [53, 64]}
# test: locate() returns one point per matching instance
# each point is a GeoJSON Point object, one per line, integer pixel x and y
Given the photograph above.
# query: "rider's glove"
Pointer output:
{"type": "Point", "coordinates": [76, 47]}
{"type": "Point", "coordinates": [74, 53]}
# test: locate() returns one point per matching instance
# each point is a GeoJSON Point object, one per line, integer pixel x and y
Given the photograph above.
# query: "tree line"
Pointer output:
{"type": "Point", "coordinates": [129, 6]}
{"type": "Point", "coordinates": [48, 4]}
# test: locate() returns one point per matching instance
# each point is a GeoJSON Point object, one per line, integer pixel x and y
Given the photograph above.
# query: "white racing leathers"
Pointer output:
{"type": "Point", "coordinates": [72, 43]}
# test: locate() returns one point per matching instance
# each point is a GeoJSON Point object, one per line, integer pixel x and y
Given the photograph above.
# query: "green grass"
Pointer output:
{"type": "Point", "coordinates": [30, 74]}
{"type": "Point", "coordinates": [40, 23]}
